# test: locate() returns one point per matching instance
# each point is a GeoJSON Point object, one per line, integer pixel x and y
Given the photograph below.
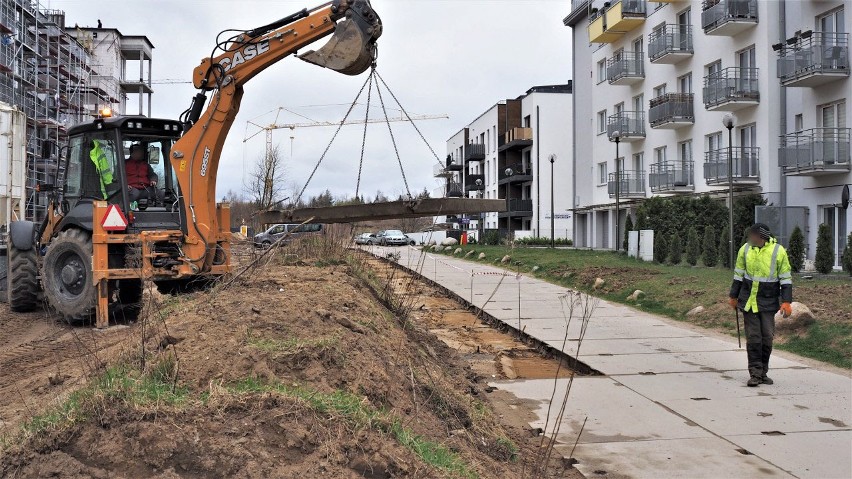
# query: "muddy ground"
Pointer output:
{"type": "Point", "coordinates": [297, 369]}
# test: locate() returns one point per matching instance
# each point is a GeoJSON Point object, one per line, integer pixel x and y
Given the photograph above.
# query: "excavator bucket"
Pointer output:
{"type": "Point", "coordinates": [352, 48]}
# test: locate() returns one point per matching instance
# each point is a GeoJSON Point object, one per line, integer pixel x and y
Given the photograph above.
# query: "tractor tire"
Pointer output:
{"type": "Point", "coordinates": [4, 281]}
{"type": "Point", "coordinates": [129, 304]}
{"type": "Point", "coordinates": [67, 276]}
{"type": "Point", "coordinates": [22, 279]}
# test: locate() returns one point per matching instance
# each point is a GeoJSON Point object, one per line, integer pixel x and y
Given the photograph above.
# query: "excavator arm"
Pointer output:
{"type": "Point", "coordinates": [195, 157]}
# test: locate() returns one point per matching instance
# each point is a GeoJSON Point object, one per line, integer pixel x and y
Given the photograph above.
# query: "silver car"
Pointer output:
{"type": "Point", "coordinates": [366, 239]}
{"type": "Point", "coordinates": [392, 238]}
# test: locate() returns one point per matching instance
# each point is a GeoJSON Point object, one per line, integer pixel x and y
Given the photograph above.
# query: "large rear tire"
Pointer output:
{"type": "Point", "coordinates": [22, 279]}
{"type": "Point", "coordinates": [67, 276]}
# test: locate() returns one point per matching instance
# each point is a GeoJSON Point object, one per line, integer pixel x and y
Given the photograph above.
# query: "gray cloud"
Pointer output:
{"type": "Point", "coordinates": [454, 57]}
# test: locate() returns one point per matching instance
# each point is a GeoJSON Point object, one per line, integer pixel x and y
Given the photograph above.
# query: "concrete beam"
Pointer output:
{"type": "Point", "coordinates": [385, 211]}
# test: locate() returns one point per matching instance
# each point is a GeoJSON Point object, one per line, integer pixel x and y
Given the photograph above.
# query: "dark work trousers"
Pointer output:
{"type": "Point", "coordinates": [760, 330]}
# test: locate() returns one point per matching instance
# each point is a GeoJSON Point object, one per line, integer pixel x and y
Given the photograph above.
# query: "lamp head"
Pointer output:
{"type": "Point", "coordinates": [616, 135]}
{"type": "Point", "coordinates": [728, 121]}
{"type": "Point", "coordinates": [509, 172]}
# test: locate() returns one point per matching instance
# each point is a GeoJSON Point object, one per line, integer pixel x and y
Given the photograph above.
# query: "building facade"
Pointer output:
{"type": "Point", "coordinates": [663, 76]}
{"type": "Point", "coordinates": [505, 153]}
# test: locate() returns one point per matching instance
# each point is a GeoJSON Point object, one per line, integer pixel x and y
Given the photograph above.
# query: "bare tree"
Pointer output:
{"type": "Point", "coordinates": [266, 181]}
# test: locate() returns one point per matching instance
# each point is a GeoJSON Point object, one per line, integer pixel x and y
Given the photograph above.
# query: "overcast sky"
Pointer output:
{"type": "Point", "coordinates": [453, 57]}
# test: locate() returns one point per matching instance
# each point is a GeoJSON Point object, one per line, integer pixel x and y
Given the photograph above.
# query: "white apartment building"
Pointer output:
{"type": "Point", "coordinates": [506, 153]}
{"type": "Point", "coordinates": [664, 74]}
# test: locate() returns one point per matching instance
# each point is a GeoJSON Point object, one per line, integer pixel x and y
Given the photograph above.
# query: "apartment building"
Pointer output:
{"type": "Point", "coordinates": [506, 153]}
{"type": "Point", "coordinates": [662, 76]}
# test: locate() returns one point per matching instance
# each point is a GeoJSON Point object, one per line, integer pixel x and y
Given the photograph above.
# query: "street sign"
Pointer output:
{"type": "Point", "coordinates": [114, 219]}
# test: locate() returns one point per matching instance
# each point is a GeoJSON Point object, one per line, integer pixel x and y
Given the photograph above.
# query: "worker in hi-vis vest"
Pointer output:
{"type": "Point", "coordinates": [763, 286]}
{"type": "Point", "coordinates": [102, 166]}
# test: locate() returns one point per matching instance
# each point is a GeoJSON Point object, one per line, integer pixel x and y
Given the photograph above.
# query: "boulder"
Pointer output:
{"type": "Point", "coordinates": [599, 282]}
{"type": "Point", "coordinates": [449, 242]}
{"type": "Point", "coordinates": [636, 295]}
{"type": "Point", "coordinates": [457, 251]}
{"type": "Point", "coordinates": [481, 256]}
{"type": "Point", "coordinates": [469, 254]}
{"type": "Point", "coordinates": [535, 269]}
{"type": "Point", "coordinates": [695, 311]}
{"type": "Point", "coordinates": [506, 259]}
{"type": "Point", "coordinates": [801, 318]}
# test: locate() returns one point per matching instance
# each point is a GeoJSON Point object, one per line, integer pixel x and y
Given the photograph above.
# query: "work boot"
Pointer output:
{"type": "Point", "coordinates": [766, 380]}
{"type": "Point", "coordinates": [754, 381]}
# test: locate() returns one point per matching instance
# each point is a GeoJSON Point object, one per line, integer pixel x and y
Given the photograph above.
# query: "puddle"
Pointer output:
{"type": "Point", "coordinates": [530, 365]}
{"type": "Point", "coordinates": [833, 422]}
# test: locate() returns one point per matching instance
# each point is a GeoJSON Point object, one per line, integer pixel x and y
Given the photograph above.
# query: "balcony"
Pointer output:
{"type": "Point", "coordinates": [813, 59]}
{"type": "Point", "coordinates": [630, 124]}
{"type": "Point", "coordinates": [746, 166]}
{"type": "Point", "coordinates": [728, 17]}
{"type": "Point", "coordinates": [474, 152]}
{"type": "Point", "coordinates": [598, 32]}
{"type": "Point", "coordinates": [625, 15]}
{"type": "Point", "coordinates": [670, 44]}
{"type": "Point", "coordinates": [440, 171]}
{"type": "Point", "coordinates": [675, 177]}
{"type": "Point", "coordinates": [731, 89]}
{"type": "Point", "coordinates": [453, 166]}
{"type": "Point", "coordinates": [520, 174]}
{"type": "Point", "coordinates": [470, 183]}
{"type": "Point", "coordinates": [515, 138]}
{"type": "Point", "coordinates": [632, 184]}
{"type": "Point", "coordinates": [454, 189]}
{"type": "Point", "coordinates": [672, 111]}
{"type": "Point", "coordinates": [625, 68]}
{"type": "Point", "coordinates": [815, 152]}
{"type": "Point", "coordinates": [518, 208]}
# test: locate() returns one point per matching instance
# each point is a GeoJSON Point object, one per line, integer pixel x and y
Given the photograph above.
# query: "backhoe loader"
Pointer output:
{"type": "Point", "coordinates": [102, 240]}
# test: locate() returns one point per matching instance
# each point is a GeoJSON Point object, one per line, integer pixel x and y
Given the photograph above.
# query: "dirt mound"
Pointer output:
{"type": "Point", "coordinates": [297, 371]}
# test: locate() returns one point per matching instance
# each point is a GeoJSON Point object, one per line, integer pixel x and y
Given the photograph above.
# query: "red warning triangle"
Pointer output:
{"type": "Point", "coordinates": [114, 219]}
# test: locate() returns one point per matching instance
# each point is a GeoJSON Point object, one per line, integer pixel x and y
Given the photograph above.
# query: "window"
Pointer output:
{"type": "Point", "coordinates": [746, 58]}
{"type": "Point", "coordinates": [714, 68]}
{"type": "Point", "coordinates": [684, 83]}
{"type": "Point", "coordinates": [488, 142]}
{"type": "Point", "coordinates": [93, 167]}
{"type": "Point", "coordinates": [527, 121]}
{"type": "Point", "coordinates": [684, 152]}
{"type": "Point", "coordinates": [602, 173]}
{"type": "Point", "coordinates": [832, 22]}
{"type": "Point", "coordinates": [833, 115]}
{"type": "Point", "coordinates": [748, 135]}
{"type": "Point", "coordinates": [798, 123]}
{"type": "Point", "coordinates": [639, 103]}
{"type": "Point", "coordinates": [602, 70]}
{"type": "Point", "coordinates": [602, 122]}
{"type": "Point", "coordinates": [659, 90]}
{"type": "Point", "coordinates": [639, 161]}
{"type": "Point", "coordinates": [638, 47]}
{"type": "Point", "coordinates": [714, 141]}
{"type": "Point", "coordinates": [660, 155]}
{"type": "Point", "coordinates": [619, 108]}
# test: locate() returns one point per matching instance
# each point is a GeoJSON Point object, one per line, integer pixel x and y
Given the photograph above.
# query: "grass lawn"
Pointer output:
{"type": "Point", "coordinates": [674, 290]}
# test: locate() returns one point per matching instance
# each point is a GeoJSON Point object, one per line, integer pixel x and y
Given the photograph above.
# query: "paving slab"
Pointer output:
{"type": "Point", "coordinates": [818, 455]}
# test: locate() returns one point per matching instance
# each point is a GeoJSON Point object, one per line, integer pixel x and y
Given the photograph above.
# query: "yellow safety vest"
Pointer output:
{"type": "Point", "coordinates": [102, 166]}
{"type": "Point", "coordinates": [766, 270]}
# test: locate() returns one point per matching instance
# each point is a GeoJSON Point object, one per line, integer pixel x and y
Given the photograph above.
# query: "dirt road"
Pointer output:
{"type": "Point", "coordinates": [41, 360]}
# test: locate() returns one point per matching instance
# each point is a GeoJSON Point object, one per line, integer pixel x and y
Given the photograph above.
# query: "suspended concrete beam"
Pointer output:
{"type": "Point", "coordinates": [385, 211]}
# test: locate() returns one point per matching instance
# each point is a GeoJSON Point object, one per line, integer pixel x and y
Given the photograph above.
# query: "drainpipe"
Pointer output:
{"type": "Point", "coordinates": [782, 123]}
{"type": "Point", "coordinates": [538, 171]}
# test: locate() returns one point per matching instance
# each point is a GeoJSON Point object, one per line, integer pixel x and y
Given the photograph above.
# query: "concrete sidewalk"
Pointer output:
{"type": "Point", "coordinates": [672, 401]}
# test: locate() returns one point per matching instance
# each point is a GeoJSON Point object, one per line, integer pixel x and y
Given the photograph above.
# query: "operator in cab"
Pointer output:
{"type": "Point", "coordinates": [141, 179]}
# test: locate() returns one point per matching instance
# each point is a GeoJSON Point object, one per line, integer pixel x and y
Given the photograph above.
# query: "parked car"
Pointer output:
{"type": "Point", "coordinates": [291, 231]}
{"type": "Point", "coordinates": [410, 241]}
{"type": "Point", "coordinates": [366, 238]}
{"type": "Point", "coordinates": [392, 238]}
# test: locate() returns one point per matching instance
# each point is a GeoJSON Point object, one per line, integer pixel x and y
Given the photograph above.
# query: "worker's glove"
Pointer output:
{"type": "Point", "coordinates": [786, 310]}
{"type": "Point", "coordinates": [733, 302]}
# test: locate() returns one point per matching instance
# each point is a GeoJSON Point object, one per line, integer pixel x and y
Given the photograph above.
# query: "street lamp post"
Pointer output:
{"type": "Point", "coordinates": [552, 203]}
{"type": "Point", "coordinates": [509, 173]}
{"type": "Point", "coordinates": [728, 122]}
{"type": "Point", "coordinates": [616, 136]}
{"type": "Point", "coordinates": [481, 223]}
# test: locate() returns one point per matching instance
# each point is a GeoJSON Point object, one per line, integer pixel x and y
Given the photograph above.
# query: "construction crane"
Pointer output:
{"type": "Point", "coordinates": [268, 129]}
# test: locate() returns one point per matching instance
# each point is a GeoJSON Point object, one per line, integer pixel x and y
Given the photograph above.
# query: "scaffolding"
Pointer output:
{"type": "Point", "coordinates": [47, 74]}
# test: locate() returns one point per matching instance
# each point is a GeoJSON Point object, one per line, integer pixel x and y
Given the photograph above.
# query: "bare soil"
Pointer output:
{"type": "Point", "coordinates": [301, 325]}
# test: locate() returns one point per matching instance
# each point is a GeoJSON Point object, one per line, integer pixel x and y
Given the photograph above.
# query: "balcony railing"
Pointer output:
{"type": "Point", "coordinates": [818, 151]}
{"type": "Point", "coordinates": [731, 89]}
{"type": "Point", "coordinates": [474, 152]}
{"type": "Point", "coordinates": [813, 59]}
{"type": "Point", "coordinates": [625, 15]}
{"type": "Point", "coordinates": [440, 171]}
{"type": "Point", "coordinates": [515, 138]}
{"type": "Point", "coordinates": [625, 68]}
{"type": "Point", "coordinates": [452, 165]}
{"type": "Point", "coordinates": [629, 124]}
{"type": "Point", "coordinates": [670, 44]}
{"type": "Point", "coordinates": [598, 33]}
{"type": "Point", "coordinates": [728, 17]}
{"type": "Point", "coordinates": [632, 184]}
{"type": "Point", "coordinates": [520, 174]}
{"type": "Point", "coordinates": [672, 110]}
{"type": "Point", "coordinates": [470, 183]}
{"type": "Point", "coordinates": [520, 206]}
{"type": "Point", "coordinates": [672, 177]}
{"type": "Point", "coordinates": [746, 166]}
{"type": "Point", "coordinates": [454, 189]}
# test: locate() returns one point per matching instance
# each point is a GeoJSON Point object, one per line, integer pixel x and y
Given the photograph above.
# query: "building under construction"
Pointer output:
{"type": "Point", "coordinates": [59, 76]}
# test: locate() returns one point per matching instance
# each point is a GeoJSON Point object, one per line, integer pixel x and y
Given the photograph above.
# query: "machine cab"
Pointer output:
{"type": "Point", "coordinates": [125, 161]}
